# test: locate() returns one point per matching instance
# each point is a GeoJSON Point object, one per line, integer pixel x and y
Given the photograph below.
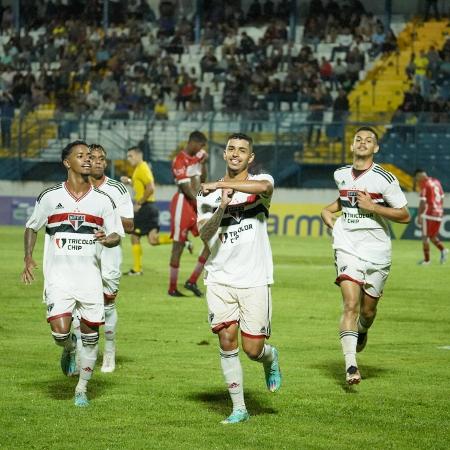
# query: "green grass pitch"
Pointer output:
{"type": "Point", "coordinates": [168, 392]}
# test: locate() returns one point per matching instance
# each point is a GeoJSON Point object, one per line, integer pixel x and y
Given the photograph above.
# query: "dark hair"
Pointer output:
{"type": "Point", "coordinates": [242, 136]}
{"type": "Point", "coordinates": [135, 149]}
{"type": "Point", "coordinates": [419, 171]}
{"type": "Point", "coordinates": [367, 129]}
{"type": "Point", "coordinates": [67, 150]}
{"type": "Point", "coordinates": [197, 136]}
{"type": "Point", "coordinates": [97, 147]}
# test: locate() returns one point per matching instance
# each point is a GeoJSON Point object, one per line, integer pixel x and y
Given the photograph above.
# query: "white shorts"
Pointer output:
{"type": "Point", "coordinates": [251, 308]}
{"type": "Point", "coordinates": [61, 304]}
{"type": "Point", "coordinates": [371, 277]}
{"type": "Point", "coordinates": [111, 262]}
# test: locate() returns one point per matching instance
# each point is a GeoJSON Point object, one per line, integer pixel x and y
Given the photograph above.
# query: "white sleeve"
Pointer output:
{"type": "Point", "coordinates": [265, 176]}
{"type": "Point", "coordinates": [39, 217]}
{"type": "Point", "coordinates": [204, 210]}
{"type": "Point", "coordinates": [111, 219]}
{"type": "Point", "coordinates": [125, 206]}
{"type": "Point", "coordinates": [394, 196]}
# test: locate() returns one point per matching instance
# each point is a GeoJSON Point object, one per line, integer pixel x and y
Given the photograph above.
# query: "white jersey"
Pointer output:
{"type": "Point", "coordinates": [120, 195]}
{"type": "Point", "coordinates": [359, 232]}
{"type": "Point", "coordinates": [112, 257]}
{"type": "Point", "coordinates": [241, 256]}
{"type": "Point", "coordinates": [71, 253]}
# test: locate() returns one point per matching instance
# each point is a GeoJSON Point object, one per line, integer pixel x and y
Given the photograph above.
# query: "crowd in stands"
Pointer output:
{"type": "Point", "coordinates": [139, 67]}
{"type": "Point", "coordinates": [428, 100]}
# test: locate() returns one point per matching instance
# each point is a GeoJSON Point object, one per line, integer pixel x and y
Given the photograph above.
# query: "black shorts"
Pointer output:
{"type": "Point", "coordinates": [146, 219]}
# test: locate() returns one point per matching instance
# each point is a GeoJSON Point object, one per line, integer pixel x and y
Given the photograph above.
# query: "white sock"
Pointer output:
{"type": "Point", "coordinates": [110, 327]}
{"type": "Point", "coordinates": [349, 340]}
{"type": "Point", "coordinates": [266, 355]}
{"type": "Point", "coordinates": [77, 332]}
{"type": "Point", "coordinates": [88, 357]}
{"type": "Point", "coordinates": [232, 372]}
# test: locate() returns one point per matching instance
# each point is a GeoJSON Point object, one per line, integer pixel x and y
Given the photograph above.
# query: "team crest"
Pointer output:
{"type": "Point", "coordinates": [76, 220]}
{"type": "Point", "coordinates": [353, 197]}
{"type": "Point", "coordinates": [236, 212]}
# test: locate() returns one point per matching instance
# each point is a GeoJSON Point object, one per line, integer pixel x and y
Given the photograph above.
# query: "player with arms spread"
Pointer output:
{"type": "Point", "coordinates": [232, 218]}
{"type": "Point", "coordinates": [368, 197]}
{"type": "Point", "coordinates": [189, 169]}
{"type": "Point", "coordinates": [430, 213]}
{"type": "Point", "coordinates": [80, 220]}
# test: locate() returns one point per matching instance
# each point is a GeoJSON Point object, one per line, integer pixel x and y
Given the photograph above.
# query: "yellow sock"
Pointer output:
{"type": "Point", "coordinates": [165, 239]}
{"type": "Point", "coordinates": [136, 250]}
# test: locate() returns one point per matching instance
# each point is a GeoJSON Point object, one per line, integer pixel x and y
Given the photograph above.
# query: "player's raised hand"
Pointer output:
{"type": "Point", "coordinates": [227, 195]}
{"type": "Point", "coordinates": [27, 274]}
{"type": "Point", "coordinates": [365, 201]}
{"type": "Point", "coordinates": [207, 188]}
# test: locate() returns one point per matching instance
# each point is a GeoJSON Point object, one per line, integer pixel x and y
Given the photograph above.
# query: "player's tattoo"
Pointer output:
{"type": "Point", "coordinates": [209, 229]}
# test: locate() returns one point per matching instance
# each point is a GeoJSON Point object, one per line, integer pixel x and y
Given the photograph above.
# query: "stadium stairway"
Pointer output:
{"type": "Point", "coordinates": [378, 96]}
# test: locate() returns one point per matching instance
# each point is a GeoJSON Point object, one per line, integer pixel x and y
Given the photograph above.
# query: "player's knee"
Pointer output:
{"type": "Point", "coordinates": [60, 338]}
{"type": "Point", "coordinates": [253, 353]}
{"type": "Point", "coordinates": [89, 339]}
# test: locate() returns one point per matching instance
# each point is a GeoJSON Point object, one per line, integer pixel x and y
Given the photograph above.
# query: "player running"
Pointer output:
{"type": "Point", "coordinates": [368, 195]}
{"type": "Point", "coordinates": [80, 220]}
{"type": "Point", "coordinates": [232, 218]}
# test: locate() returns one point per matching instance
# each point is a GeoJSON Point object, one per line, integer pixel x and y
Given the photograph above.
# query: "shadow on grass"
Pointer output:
{"type": "Point", "coordinates": [334, 369]}
{"type": "Point", "coordinates": [64, 388]}
{"type": "Point", "coordinates": [220, 402]}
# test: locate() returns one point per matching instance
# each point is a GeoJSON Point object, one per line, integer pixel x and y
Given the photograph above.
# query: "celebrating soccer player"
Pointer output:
{"type": "Point", "coordinates": [430, 213]}
{"type": "Point", "coordinates": [368, 195]}
{"type": "Point", "coordinates": [232, 218]}
{"type": "Point", "coordinates": [189, 169]}
{"type": "Point", "coordinates": [79, 219]}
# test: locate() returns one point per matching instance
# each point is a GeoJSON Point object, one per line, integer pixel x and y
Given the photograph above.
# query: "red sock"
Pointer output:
{"type": "Point", "coordinates": [426, 251]}
{"type": "Point", "coordinates": [198, 270]}
{"type": "Point", "coordinates": [173, 277]}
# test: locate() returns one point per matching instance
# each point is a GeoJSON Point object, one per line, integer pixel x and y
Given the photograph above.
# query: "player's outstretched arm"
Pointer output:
{"type": "Point", "coordinates": [400, 215]}
{"type": "Point", "coordinates": [128, 224]}
{"type": "Point", "coordinates": [29, 238]}
{"type": "Point", "coordinates": [209, 228]}
{"type": "Point", "coordinates": [258, 187]}
{"type": "Point", "coordinates": [328, 212]}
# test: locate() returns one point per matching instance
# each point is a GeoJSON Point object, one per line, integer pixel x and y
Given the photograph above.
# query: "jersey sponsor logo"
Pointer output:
{"type": "Point", "coordinates": [50, 307]}
{"type": "Point", "coordinates": [343, 269]}
{"type": "Point", "coordinates": [59, 206]}
{"type": "Point", "coordinates": [76, 220]}
{"type": "Point", "coordinates": [60, 242]}
{"type": "Point", "coordinates": [233, 236]}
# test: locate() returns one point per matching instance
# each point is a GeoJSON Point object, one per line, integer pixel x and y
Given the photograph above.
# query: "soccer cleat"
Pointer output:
{"type": "Point", "coordinates": [424, 263]}
{"type": "Point", "coordinates": [175, 293]}
{"type": "Point", "coordinates": [362, 341]}
{"type": "Point", "coordinates": [189, 246]}
{"type": "Point", "coordinates": [273, 373]}
{"type": "Point", "coordinates": [444, 255]}
{"type": "Point", "coordinates": [81, 399]}
{"type": "Point", "coordinates": [69, 359]}
{"type": "Point", "coordinates": [133, 273]}
{"type": "Point", "coordinates": [193, 288]}
{"type": "Point", "coordinates": [240, 415]}
{"type": "Point", "coordinates": [109, 362]}
{"type": "Point", "coordinates": [353, 376]}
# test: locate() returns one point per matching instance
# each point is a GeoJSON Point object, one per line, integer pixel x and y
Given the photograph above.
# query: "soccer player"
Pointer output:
{"type": "Point", "coordinates": [111, 257]}
{"type": "Point", "coordinates": [80, 220]}
{"type": "Point", "coordinates": [429, 215]}
{"type": "Point", "coordinates": [146, 214]}
{"type": "Point", "coordinates": [189, 170]}
{"type": "Point", "coordinates": [368, 197]}
{"type": "Point", "coordinates": [232, 218]}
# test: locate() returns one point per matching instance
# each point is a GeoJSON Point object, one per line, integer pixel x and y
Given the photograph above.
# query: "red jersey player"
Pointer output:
{"type": "Point", "coordinates": [429, 216]}
{"type": "Point", "coordinates": [189, 170]}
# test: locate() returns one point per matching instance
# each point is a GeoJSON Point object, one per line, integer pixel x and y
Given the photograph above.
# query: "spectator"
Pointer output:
{"type": "Point", "coordinates": [207, 103]}
{"type": "Point", "coordinates": [317, 106]}
{"type": "Point", "coordinates": [420, 75]}
{"type": "Point", "coordinates": [343, 42]}
{"type": "Point", "coordinates": [7, 117]}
